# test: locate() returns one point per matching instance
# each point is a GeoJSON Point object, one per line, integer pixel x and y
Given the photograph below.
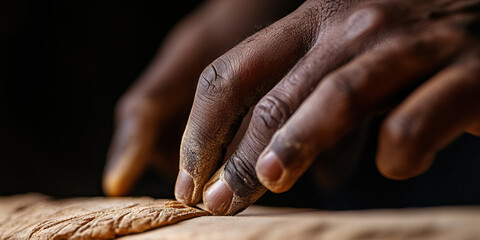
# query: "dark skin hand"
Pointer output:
{"type": "Point", "coordinates": [313, 76]}
{"type": "Point", "coordinates": [152, 115]}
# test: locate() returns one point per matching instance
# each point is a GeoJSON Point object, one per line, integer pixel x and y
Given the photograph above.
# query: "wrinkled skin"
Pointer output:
{"type": "Point", "coordinates": [313, 76]}
{"type": "Point", "coordinates": [152, 115]}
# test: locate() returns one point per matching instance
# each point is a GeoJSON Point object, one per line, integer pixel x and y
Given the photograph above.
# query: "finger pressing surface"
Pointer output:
{"type": "Point", "coordinates": [275, 108]}
{"type": "Point", "coordinates": [226, 90]}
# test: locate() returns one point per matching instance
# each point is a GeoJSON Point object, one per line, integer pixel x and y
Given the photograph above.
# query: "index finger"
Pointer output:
{"type": "Point", "coordinates": [226, 90]}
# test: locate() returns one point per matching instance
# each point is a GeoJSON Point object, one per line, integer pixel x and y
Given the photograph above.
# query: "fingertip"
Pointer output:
{"type": "Point", "coordinates": [193, 173]}
{"type": "Point", "coordinates": [403, 152]}
{"type": "Point", "coordinates": [112, 185]}
{"type": "Point", "coordinates": [218, 197]}
{"type": "Point", "coordinates": [272, 173]}
{"type": "Point", "coordinates": [184, 188]}
{"type": "Point", "coordinates": [269, 170]}
{"type": "Point", "coordinates": [122, 172]}
{"type": "Point", "coordinates": [269, 167]}
{"type": "Point", "coordinates": [403, 168]}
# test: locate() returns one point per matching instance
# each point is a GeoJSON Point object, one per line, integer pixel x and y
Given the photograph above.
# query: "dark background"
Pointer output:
{"type": "Point", "coordinates": [63, 65]}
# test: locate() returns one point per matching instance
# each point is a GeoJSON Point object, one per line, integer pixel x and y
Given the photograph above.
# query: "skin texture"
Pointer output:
{"type": "Point", "coordinates": [313, 76]}
{"type": "Point", "coordinates": [151, 116]}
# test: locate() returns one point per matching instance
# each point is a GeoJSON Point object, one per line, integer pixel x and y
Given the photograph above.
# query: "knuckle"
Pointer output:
{"type": "Point", "coordinates": [270, 113]}
{"type": "Point", "coordinates": [341, 92]}
{"type": "Point", "coordinates": [215, 80]}
{"type": "Point", "coordinates": [400, 132]}
{"type": "Point", "coordinates": [240, 172]}
{"type": "Point", "coordinates": [365, 19]}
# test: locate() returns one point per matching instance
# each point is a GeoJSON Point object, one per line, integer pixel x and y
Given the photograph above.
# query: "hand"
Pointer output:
{"type": "Point", "coordinates": [312, 76]}
{"type": "Point", "coordinates": [151, 116]}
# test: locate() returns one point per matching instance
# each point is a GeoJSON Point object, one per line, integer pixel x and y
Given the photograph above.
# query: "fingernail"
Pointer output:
{"type": "Point", "coordinates": [269, 167]}
{"type": "Point", "coordinates": [184, 187]}
{"type": "Point", "coordinates": [218, 198]}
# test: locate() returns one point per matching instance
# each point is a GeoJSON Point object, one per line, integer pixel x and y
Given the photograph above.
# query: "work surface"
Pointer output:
{"type": "Point", "coordinates": [290, 224]}
{"type": "Point", "coordinates": [39, 217]}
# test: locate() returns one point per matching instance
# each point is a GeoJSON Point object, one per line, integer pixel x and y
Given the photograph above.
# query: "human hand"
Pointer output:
{"type": "Point", "coordinates": [152, 115]}
{"type": "Point", "coordinates": [313, 76]}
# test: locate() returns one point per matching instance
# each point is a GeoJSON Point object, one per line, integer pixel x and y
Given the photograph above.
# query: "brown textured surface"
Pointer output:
{"type": "Point", "coordinates": [436, 223]}
{"type": "Point", "coordinates": [34, 216]}
{"type": "Point", "coordinates": [39, 217]}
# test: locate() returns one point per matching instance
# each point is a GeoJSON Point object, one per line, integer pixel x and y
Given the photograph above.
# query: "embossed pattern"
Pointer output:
{"type": "Point", "coordinates": [34, 216]}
